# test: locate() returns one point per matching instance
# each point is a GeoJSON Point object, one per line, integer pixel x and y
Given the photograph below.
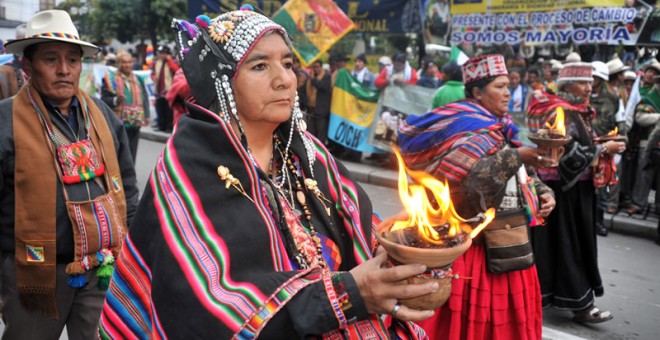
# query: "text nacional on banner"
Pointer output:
{"type": "Point", "coordinates": [501, 6]}
{"type": "Point", "coordinates": [352, 112]}
{"type": "Point", "coordinates": [314, 26]}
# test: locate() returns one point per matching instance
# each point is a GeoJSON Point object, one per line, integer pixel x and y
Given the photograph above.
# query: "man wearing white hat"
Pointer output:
{"type": "Point", "coordinates": [67, 189]}
{"type": "Point", "coordinates": [616, 69]}
{"type": "Point", "coordinates": [629, 78]}
{"type": "Point", "coordinates": [647, 116]}
{"type": "Point", "coordinates": [607, 105]}
{"type": "Point", "coordinates": [631, 173]}
{"type": "Point", "coordinates": [651, 71]}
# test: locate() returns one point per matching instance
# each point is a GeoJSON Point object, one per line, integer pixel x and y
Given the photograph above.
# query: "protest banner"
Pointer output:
{"type": "Point", "coordinates": [370, 16]}
{"type": "Point", "coordinates": [535, 22]}
{"type": "Point", "coordinates": [352, 112]}
{"type": "Point", "coordinates": [395, 104]}
{"type": "Point", "coordinates": [313, 25]}
{"type": "Point", "coordinates": [517, 6]}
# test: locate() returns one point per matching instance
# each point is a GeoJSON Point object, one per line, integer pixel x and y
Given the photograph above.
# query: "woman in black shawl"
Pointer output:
{"type": "Point", "coordinates": [249, 227]}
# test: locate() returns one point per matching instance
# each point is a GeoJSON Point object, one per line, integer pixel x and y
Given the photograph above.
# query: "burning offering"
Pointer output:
{"type": "Point", "coordinates": [552, 137]}
{"type": "Point", "coordinates": [612, 135]}
{"type": "Point", "coordinates": [431, 233]}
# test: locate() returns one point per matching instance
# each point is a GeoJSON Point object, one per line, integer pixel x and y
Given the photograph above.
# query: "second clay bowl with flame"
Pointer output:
{"type": "Point", "coordinates": [548, 142]}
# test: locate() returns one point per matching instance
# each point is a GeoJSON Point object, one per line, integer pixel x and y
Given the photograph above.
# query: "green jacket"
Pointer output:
{"type": "Point", "coordinates": [451, 91]}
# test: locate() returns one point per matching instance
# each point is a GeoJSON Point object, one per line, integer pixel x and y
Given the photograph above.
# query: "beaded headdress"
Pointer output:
{"type": "Point", "coordinates": [484, 66]}
{"type": "Point", "coordinates": [212, 50]}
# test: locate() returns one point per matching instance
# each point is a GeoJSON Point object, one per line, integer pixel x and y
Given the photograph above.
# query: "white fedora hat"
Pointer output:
{"type": "Point", "coordinates": [600, 70]}
{"type": "Point", "coordinates": [654, 65]}
{"type": "Point", "coordinates": [629, 75]}
{"type": "Point", "coordinates": [616, 65]}
{"type": "Point", "coordinates": [50, 26]}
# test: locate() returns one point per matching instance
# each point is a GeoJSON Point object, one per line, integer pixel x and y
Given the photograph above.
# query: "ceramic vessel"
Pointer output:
{"type": "Point", "coordinates": [436, 259]}
{"type": "Point", "coordinates": [556, 146]}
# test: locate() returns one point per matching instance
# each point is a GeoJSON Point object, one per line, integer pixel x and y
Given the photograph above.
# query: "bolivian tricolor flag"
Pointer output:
{"type": "Point", "coordinates": [314, 26]}
{"type": "Point", "coordinates": [352, 112]}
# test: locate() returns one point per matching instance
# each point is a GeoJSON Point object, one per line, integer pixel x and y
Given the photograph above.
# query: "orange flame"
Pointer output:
{"type": "Point", "coordinates": [558, 126]}
{"type": "Point", "coordinates": [613, 132]}
{"type": "Point", "coordinates": [423, 215]}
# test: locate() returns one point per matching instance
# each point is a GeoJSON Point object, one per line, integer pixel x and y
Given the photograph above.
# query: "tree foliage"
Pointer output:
{"type": "Point", "coordinates": [115, 19]}
{"type": "Point", "coordinates": [161, 14]}
{"type": "Point", "coordinates": [125, 20]}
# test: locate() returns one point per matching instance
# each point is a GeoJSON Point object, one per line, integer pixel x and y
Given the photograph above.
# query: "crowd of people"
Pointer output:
{"type": "Point", "coordinates": [255, 225]}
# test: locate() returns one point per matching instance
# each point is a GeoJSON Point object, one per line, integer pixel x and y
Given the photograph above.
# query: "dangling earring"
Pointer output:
{"type": "Point", "coordinates": [298, 118]}
{"type": "Point", "coordinates": [221, 99]}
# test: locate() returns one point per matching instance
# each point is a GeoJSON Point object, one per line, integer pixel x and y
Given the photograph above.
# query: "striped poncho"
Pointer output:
{"type": "Point", "coordinates": [448, 141]}
{"type": "Point", "coordinates": [205, 261]}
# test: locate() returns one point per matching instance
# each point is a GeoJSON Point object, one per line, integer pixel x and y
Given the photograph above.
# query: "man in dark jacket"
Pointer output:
{"type": "Point", "coordinates": [125, 93]}
{"type": "Point", "coordinates": [319, 92]}
{"type": "Point", "coordinates": [67, 189]}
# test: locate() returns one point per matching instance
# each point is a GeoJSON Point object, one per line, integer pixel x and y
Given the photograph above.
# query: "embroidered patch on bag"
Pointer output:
{"type": "Point", "coordinates": [79, 161]}
{"type": "Point", "coordinates": [34, 253]}
{"type": "Point", "coordinates": [115, 183]}
{"type": "Point", "coordinates": [132, 117]}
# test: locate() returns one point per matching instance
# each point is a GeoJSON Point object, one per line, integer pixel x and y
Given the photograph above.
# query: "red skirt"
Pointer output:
{"type": "Point", "coordinates": [483, 305]}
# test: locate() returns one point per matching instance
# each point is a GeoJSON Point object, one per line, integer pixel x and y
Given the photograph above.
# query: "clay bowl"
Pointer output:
{"type": "Point", "coordinates": [548, 142]}
{"type": "Point", "coordinates": [432, 258]}
{"type": "Point", "coordinates": [429, 301]}
{"type": "Point", "coordinates": [618, 138]}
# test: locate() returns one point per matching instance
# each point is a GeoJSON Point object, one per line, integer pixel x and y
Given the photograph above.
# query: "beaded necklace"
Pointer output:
{"type": "Point", "coordinates": [285, 188]}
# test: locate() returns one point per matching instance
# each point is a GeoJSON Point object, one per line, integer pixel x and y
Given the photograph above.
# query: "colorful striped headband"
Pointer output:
{"type": "Point", "coordinates": [56, 35]}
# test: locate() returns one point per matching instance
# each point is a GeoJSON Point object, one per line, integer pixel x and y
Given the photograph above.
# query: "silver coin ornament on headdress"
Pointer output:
{"type": "Point", "coordinates": [210, 52]}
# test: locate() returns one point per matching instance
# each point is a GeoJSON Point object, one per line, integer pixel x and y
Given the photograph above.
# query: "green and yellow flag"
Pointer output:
{"type": "Point", "coordinates": [352, 112]}
{"type": "Point", "coordinates": [314, 26]}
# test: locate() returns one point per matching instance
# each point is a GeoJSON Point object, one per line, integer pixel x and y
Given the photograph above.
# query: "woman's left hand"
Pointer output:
{"type": "Point", "coordinates": [547, 204]}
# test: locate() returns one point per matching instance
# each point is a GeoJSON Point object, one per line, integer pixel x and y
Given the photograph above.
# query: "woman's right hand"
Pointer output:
{"type": "Point", "coordinates": [534, 156]}
{"type": "Point", "coordinates": [381, 288]}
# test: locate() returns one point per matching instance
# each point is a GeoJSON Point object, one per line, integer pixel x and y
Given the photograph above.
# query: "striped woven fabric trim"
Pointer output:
{"type": "Point", "coordinates": [342, 187]}
{"type": "Point", "coordinates": [56, 35]}
{"type": "Point", "coordinates": [128, 309]}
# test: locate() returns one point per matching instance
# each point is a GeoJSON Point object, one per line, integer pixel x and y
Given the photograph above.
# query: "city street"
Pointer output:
{"type": "Point", "coordinates": [627, 265]}
{"type": "Point", "coordinates": [628, 268]}
{"type": "Point", "coordinates": [488, 96]}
